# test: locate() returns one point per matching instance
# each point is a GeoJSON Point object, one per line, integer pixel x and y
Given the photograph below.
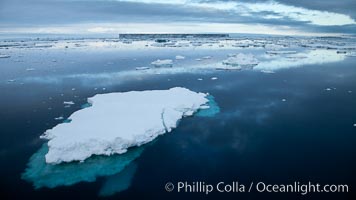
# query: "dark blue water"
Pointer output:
{"type": "Point", "coordinates": [255, 137]}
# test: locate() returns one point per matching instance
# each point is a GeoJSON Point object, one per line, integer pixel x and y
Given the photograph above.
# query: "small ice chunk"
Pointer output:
{"type": "Point", "coordinates": [163, 63]}
{"type": "Point", "coordinates": [280, 52]}
{"type": "Point", "coordinates": [214, 78]}
{"type": "Point", "coordinates": [200, 79]}
{"type": "Point", "coordinates": [284, 100]}
{"type": "Point", "coordinates": [68, 103]}
{"type": "Point", "coordinates": [328, 89]}
{"type": "Point", "coordinates": [207, 57]}
{"type": "Point", "coordinates": [142, 68]}
{"type": "Point", "coordinates": [267, 71]}
{"type": "Point", "coordinates": [4, 56]}
{"type": "Point", "coordinates": [59, 118]}
{"type": "Point", "coordinates": [180, 57]}
{"type": "Point", "coordinates": [30, 69]}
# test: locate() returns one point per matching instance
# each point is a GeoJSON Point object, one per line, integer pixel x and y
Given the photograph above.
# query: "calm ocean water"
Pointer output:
{"type": "Point", "coordinates": [296, 124]}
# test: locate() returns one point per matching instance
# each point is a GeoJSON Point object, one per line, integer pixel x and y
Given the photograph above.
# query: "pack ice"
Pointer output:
{"type": "Point", "coordinates": [117, 121]}
{"type": "Point", "coordinates": [162, 63]}
{"type": "Point", "coordinates": [240, 61]}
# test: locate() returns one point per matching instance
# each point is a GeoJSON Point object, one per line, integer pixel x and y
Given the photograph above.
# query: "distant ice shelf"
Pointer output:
{"type": "Point", "coordinates": [118, 121]}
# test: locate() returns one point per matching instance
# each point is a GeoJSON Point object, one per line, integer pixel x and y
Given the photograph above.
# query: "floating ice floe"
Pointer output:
{"type": "Point", "coordinates": [241, 60]}
{"type": "Point", "coordinates": [214, 78]}
{"type": "Point", "coordinates": [4, 56]}
{"type": "Point", "coordinates": [351, 54]}
{"type": "Point", "coordinates": [180, 57]}
{"type": "Point", "coordinates": [118, 121]}
{"type": "Point", "coordinates": [280, 52]}
{"type": "Point", "coordinates": [162, 63]}
{"type": "Point", "coordinates": [142, 68]}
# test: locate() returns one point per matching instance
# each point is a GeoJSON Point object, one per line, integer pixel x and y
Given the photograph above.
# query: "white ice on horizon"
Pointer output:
{"type": "Point", "coordinates": [117, 121]}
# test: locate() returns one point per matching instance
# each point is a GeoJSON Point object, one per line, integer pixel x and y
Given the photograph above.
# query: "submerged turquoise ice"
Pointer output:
{"type": "Point", "coordinates": [212, 110]}
{"type": "Point", "coordinates": [119, 169]}
{"type": "Point", "coordinates": [118, 182]}
{"type": "Point", "coordinates": [42, 174]}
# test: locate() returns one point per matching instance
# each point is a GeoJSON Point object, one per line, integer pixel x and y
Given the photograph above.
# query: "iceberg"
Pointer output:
{"type": "Point", "coordinates": [118, 121]}
{"type": "Point", "coordinates": [162, 63]}
{"type": "Point", "coordinates": [241, 60]}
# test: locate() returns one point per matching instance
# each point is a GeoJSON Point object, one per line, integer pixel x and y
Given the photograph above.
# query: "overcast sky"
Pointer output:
{"type": "Point", "coordinates": [179, 16]}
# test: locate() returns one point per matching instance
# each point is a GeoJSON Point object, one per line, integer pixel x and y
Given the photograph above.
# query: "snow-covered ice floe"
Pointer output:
{"type": "Point", "coordinates": [118, 121]}
{"type": "Point", "coordinates": [241, 60]}
{"type": "Point", "coordinates": [163, 63]}
{"type": "Point", "coordinates": [4, 56]}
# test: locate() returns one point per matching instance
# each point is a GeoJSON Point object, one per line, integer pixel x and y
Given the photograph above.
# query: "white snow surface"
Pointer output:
{"type": "Point", "coordinates": [117, 121]}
